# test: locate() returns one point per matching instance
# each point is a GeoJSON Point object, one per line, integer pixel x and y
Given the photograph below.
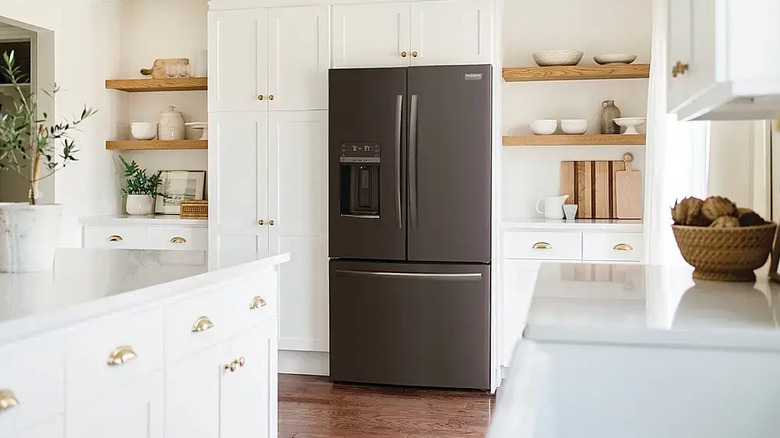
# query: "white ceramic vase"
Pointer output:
{"type": "Point", "coordinates": [139, 204]}
{"type": "Point", "coordinates": [28, 236]}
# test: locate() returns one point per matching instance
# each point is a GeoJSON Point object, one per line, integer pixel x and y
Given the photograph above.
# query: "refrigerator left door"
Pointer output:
{"type": "Point", "coordinates": [366, 152]}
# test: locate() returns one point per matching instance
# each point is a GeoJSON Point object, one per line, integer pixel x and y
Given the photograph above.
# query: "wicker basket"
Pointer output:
{"type": "Point", "coordinates": [725, 254]}
{"type": "Point", "coordinates": [194, 210]}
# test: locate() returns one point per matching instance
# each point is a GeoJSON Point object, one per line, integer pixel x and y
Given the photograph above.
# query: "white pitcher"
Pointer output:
{"type": "Point", "coordinates": [553, 206]}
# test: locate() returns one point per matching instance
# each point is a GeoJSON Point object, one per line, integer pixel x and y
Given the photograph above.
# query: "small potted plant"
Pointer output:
{"type": "Point", "coordinates": [140, 188]}
{"type": "Point", "coordinates": [36, 149]}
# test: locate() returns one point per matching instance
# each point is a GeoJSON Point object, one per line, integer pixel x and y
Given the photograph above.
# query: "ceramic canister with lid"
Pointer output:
{"type": "Point", "coordinates": [171, 126]}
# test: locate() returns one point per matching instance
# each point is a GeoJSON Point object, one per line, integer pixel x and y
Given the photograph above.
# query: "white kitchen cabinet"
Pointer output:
{"type": "Point", "coordinates": [519, 280]}
{"type": "Point", "coordinates": [145, 232]}
{"type": "Point", "coordinates": [722, 59]}
{"type": "Point", "coordinates": [452, 32]}
{"type": "Point", "coordinates": [416, 33]}
{"type": "Point", "coordinates": [269, 59]}
{"type": "Point", "coordinates": [132, 411]}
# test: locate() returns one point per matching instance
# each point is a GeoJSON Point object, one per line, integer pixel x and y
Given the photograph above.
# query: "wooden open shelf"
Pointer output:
{"type": "Point", "coordinates": [149, 85]}
{"type": "Point", "coordinates": [577, 72]}
{"type": "Point", "coordinates": [576, 140]}
{"type": "Point", "coordinates": [156, 145]}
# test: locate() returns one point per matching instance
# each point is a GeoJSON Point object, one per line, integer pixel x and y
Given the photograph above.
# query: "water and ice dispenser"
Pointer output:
{"type": "Point", "coordinates": [360, 164]}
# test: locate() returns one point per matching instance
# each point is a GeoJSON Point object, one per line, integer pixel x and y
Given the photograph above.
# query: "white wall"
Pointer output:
{"type": "Point", "coordinates": [595, 27]}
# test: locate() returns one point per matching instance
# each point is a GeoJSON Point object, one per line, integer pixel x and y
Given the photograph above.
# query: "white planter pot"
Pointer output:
{"type": "Point", "coordinates": [139, 204]}
{"type": "Point", "coordinates": [28, 236]}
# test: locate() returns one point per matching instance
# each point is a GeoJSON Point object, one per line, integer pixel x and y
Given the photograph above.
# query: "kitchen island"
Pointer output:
{"type": "Point", "coordinates": [643, 351]}
{"type": "Point", "coordinates": [132, 343]}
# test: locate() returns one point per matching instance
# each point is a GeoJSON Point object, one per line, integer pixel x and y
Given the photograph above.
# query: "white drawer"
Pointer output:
{"type": "Point", "coordinates": [33, 374]}
{"type": "Point", "coordinates": [128, 237]}
{"type": "Point", "coordinates": [178, 238]}
{"type": "Point", "coordinates": [94, 344]}
{"type": "Point", "coordinates": [543, 245]}
{"type": "Point", "coordinates": [618, 247]}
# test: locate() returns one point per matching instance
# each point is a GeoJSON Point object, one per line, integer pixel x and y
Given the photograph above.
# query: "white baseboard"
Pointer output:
{"type": "Point", "coordinates": [304, 362]}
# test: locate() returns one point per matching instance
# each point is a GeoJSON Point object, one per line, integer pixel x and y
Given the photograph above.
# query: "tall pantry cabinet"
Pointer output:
{"type": "Point", "coordinates": [268, 81]}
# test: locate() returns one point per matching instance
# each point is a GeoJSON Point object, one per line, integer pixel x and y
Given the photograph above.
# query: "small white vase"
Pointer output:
{"type": "Point", "coordinates": [139, 204]}
{"type": "Point", "coordinates": [28, 236]}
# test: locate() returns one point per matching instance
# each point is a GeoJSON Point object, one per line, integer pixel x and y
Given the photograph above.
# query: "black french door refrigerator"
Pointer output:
{"type": "Point", "coordinates": [409, 225]}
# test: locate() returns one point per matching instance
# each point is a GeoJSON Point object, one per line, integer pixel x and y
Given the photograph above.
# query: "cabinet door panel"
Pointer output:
{"type": "Point", "coordinates": [299, 53]}
{"type": "Point", "coordinates": [371, 35]}
{"type": "Point", "coordinates": [238, 60]}
{"type": "Point", "coordinates": [518, 287]}
{"type": "Point", "coordinates": [226, 250]}
{"type": "Point", "coordinates": [680, 49]}
{"type": "Point", "coordinates": [452, 32]}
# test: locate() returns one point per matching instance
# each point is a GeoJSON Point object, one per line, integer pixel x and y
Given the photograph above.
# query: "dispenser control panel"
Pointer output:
{"type": "Point", "coordinates": [360, 152]}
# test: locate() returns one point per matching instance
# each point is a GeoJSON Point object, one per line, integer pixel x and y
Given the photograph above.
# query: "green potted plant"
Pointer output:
{"type": "Point", "coordinates": [35, 148]}
{"type": "Point", "coordinates": [140, 188]}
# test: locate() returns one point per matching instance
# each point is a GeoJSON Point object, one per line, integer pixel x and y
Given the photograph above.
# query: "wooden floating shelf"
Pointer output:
{"type": "Point", "coordinates": [156, 145]}
{"type": "Point", "coordinates": [150, 85]}
{"type": "Point", "coordinates": [576, 140]}
{"type": "Point", "coordinates": [576, 72]}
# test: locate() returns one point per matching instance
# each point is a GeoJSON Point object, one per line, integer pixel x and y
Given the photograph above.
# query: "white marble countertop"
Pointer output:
{"type": "Point", "coordinates": [89, 282]}
{"type": "Point", "coordinates": [145, 220]}
{"type": "Point", "coordinates": [658, 305]}
{"type": "Point", "coordinates": [626, 226]}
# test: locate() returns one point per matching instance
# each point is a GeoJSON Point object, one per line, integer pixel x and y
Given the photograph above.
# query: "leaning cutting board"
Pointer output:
{"type": "Point", "coordinates": [628, 189]}
{"type": "Point", "coordinates": [593, 186]}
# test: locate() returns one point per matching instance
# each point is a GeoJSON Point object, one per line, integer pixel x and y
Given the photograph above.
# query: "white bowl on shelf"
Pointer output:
{"type": "Point", "coordinates": [143, 130]}
{"type": "Point", "coordinates": [631, 123]}
{"type": "Point", "coordinates": [200, 125]}
{"type": "Point", "coordinates": [544, 126]}
{"type": "Point", "coordinates": [557, 57]}
{"type": "Point", "coordinates": [574, 126]}
{"type": "Point", "coordinates": [614, 58]}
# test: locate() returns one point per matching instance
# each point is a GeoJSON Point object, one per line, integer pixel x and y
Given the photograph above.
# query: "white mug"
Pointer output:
{"type": "Point", "coordinates": [553, 206]}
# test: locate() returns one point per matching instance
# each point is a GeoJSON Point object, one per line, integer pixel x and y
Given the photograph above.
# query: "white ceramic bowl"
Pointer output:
{"type": "Point", "coordinates": [143, 130]}
{"type": "Point", "coordinates": [574, 126]}
{"type": "Point", "coordinates": [631, 123]}
{"type": "Point", "coordinates": [615, 58]}
{"type": "Point", "coordinates": [557, 57]}
{"type": "Point", "coordinates": [544, 127]}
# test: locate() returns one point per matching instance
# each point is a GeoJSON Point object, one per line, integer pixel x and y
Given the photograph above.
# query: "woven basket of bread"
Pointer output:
{"type": "Point", "coordinates": [194, 210]}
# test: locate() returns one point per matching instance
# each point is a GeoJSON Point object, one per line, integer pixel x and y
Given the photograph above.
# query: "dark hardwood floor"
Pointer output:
{"type": "Point", "coordinates": [313, 407]}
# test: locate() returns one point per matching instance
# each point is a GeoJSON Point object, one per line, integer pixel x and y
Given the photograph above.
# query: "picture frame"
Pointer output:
{"type": "Point", "coordinates": [177, 186]}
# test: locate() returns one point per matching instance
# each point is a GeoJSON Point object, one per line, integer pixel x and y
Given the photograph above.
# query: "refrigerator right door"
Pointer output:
{"type": "Point", "coordinates": [449, 162]}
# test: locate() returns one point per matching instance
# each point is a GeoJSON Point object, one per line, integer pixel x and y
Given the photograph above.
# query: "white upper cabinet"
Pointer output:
{"type": "Point", "coordinates": [238, 60]}
{"type": "Point", "coordinates": [371, 35]}
{"type": "Point", "coordinates": [452, 32]}
{"type": "Point", "coordinates": [299, 53]}
{"type": "Point", "coordinates": [723, 61]}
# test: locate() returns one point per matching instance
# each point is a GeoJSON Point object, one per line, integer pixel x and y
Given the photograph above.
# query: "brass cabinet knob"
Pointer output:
{"type": "Point", "coordinates": [271, 222]}
{"type": "Point", "coordinates": [7, 400]}
{"type": "Point", "coordinates": [679, 69]}
{"type": "Point", "coordinates": [178, 239]}
{"type": "Point", "coordinates": [231, 366]}
{"type": "Point", "coordinates": [260, 97]}
{"type": "Point", "coordinates": [261, 222]}
{"type": "Point", "coordinates": [257, 302]}
{"type": "Point", "coordinates": [403, 54]}
{"type": "Point", "coordinates": [121, 355]}
{"type": "Point", "coordinates": [542, 245]}
{"type": "Point", "coordinates": [415, 54]}
{"type": "Point", "coordinates": [270, 97]}
{"type": "Point", "coordinates": [623, 247]}
{"type": "Point", "coordinates": [241, 361]}
{"type": "Point", "coordinates": [202, 324]}
{"type": "Point", "coordinates": [115, 238]}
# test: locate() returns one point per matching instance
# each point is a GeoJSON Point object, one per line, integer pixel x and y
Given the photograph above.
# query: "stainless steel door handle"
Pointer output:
{"type": "Point", "coordinates": [399, 104]}
{"type": "Point", "coordinates": [413, 162]}
{"type": "Point", "coordinates": [411, 275]}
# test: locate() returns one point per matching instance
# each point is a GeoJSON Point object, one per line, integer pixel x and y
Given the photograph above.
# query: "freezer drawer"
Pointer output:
{"type": "Point", "coordinates": [410, 324]}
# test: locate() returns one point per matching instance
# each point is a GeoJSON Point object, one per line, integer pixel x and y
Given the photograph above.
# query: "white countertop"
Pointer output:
{"type": "Point", "coordinates": [154, 219]}
{"type": "Point", "coordinates": [658, 305]}
{"type": "Point", "coordinates": [626, 226]}
{"type": "Point", "coordinates": [89, 282]}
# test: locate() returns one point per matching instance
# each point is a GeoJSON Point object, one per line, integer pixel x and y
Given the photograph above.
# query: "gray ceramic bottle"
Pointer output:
{"type": "Point", "coordinates": [609, 113]}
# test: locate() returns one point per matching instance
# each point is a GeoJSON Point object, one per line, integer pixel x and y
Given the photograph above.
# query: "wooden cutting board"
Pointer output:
{"type": "Point", "coordinates": [628, 182]}
{"type": "Point", "coordinates": [591, 185]}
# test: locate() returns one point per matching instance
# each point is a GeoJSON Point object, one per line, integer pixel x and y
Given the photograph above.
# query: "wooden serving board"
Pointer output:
{"type": "Point", "coordinates": [628, 189]}
{"type": "Point", "coordinates": [591, 185]}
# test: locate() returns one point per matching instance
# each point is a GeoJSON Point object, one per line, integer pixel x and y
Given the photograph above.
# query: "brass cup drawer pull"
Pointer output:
{"type": "Point", "coordinates": [257, 302]}
{"type": "Point", "coordinates": [202, 324]}
{"type": "Point", "coordinates": [121, 355]}
{"type": "Point", "coordinates": [115, 238]}
{"type": "Point", "coordinates": [7, 400]}
{"type": "Point", "coordinates": [178, 239]}
{"type": "Point", "coordinates": [542, 245]}
{"type": "Point", "coordinates": [679, 69]}
{"type": "Point", "coordinates": [623, 247]}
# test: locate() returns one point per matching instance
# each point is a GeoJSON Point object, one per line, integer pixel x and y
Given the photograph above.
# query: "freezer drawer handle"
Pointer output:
{"type": "Point", "coordinates": [411, 275]}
